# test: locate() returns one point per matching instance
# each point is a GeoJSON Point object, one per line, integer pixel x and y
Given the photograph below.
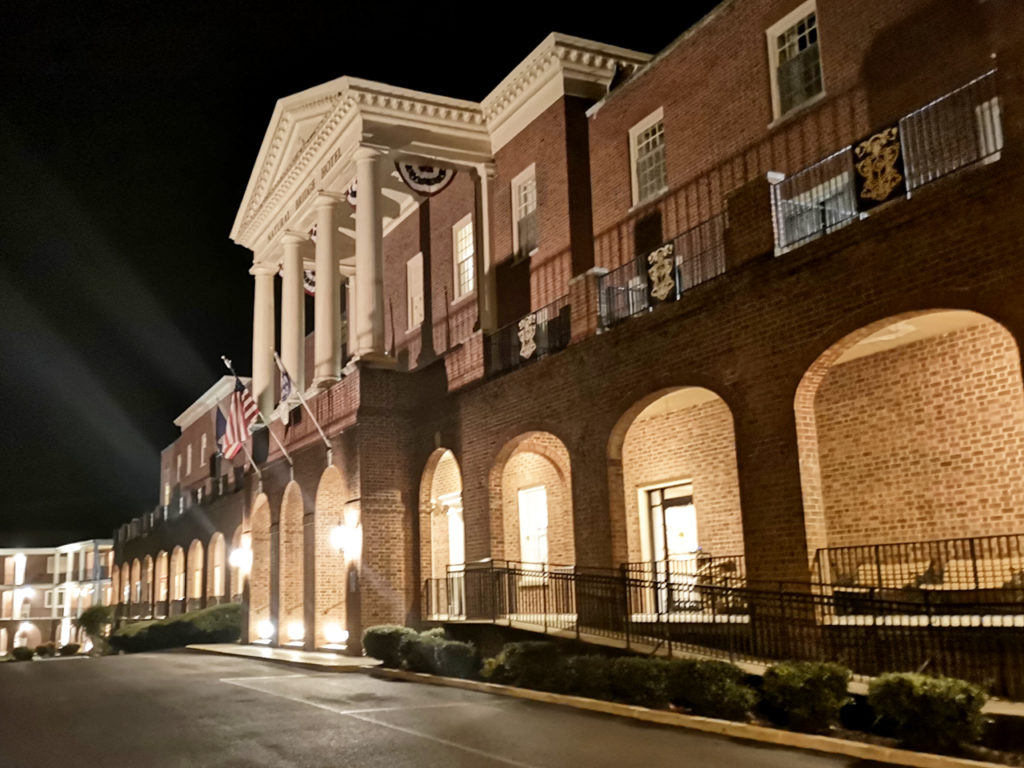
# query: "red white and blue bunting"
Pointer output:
{"type": "Point", "coordinates": [350, 194]}
{"type": "Point", "coordinates": [309, 282]}
{"type": "Point", "coordinates": [426, 180]}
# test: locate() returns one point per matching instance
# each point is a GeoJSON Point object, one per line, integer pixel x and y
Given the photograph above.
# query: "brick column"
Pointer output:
{"type": "Point", "coordinates": [584, 303]}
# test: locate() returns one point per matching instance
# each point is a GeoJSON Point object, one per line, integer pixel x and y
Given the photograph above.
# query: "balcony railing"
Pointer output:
{"type": "Point", "coordinates": [529, 338]}
{"type": "Point", "coordinates": [957, 130]}
{"type": "Point", "coordinates": [759, 623]}
{"type": "Point", "coordinates": [693, 257]}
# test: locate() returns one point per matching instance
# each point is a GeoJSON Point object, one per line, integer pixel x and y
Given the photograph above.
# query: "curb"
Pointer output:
{"type": "Point", "coordinates": [758, 733]}
{"type": "Point", "coordinates": [310, 665]}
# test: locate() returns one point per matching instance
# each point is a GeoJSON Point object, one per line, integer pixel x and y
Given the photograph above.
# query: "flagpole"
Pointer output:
{"type": "Point", "coordinates": [302, 399]}
{"type": "Point", "coordinates": [287, 456]}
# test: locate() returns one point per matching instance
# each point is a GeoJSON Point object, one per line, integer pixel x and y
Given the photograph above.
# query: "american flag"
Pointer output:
{"type": "Point", "coordinates": [242, 411]}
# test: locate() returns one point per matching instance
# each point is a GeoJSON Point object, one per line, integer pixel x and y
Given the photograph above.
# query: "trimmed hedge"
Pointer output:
{"type": "Point", "coordinates": [710, 688]}
{"type": "Point", "coordinates": [383, 642]}
{"type": "Point", "coordinates": [70, 649]}
{"type": "Point", "coordinates": [457, 659]}
{"type": "Point", "coordinates": [639, 680]}
{"type": "Point", "coordinates": [22, 653]}
{"type": "Point", "coordinates": [931, 713]}
{"type": "Point", "coordinates": [419, 653]}
{"type": "Point", "coordinates": [533, 664]}
{"type": "Point", "coordinates": [806, 695]}
{"type": "Point", "coordinates": [219, 624]}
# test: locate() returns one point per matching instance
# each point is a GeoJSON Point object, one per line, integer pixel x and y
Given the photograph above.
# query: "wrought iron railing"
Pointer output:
{"type": "Point", "coordinates": [695, 256]}
{"type": "Point", "coordinates": [529, 338]}
{"type": "Point", "coordinates": [952, 132]}
{"type": "Point", "coordinates": [685, 577]}
{"type": "Point", "coordinates": [757, 622]}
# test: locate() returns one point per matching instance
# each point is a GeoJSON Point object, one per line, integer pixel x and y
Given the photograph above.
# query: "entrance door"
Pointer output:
{"type": "Point", "coordinates": [533, 527]}
{"type": "Point", "coordinates": [456, 553]}
{"type": "Point", "coordinates": [672, 522]}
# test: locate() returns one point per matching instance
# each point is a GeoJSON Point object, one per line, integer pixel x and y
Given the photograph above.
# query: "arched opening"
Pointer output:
{"type": "Point", "coordinates": [261, 627]}
{"type": "Point", "coordinates": [911, 436]}
{"type": "Point", "coordinates": [238, 564]}
{"type": "Point", "coordinates": [292, 572]}
{"type": "Point", "coordinates": [177, 581]}
{"type": "Point", "coordinates": [675, 497]}
{"type": "Point", "coordinates": [332, 625]}
{"type": "Point", "coordinates": [115, 584]}
{"type": "Point", "coordinates": [531, 502]}
{"type": "Point", "coordinates": [442, 535]}
{"type": "Point", "coordinates": [162, 590]}
{"type": "Point", "coordinates": [27, 636]}
{"type": "Point", "coordinates": [3, 640]}
{"type": "Point", "coordinates": [147, 586]}
{"type": "Point", "coordinates": [216, 570]}
{"type": "Point", "coordinates": [196, 573]}
{"type": "Point", "coordinates": [136, 588]}
{"type": "Point", "coordinates": [126, 584]}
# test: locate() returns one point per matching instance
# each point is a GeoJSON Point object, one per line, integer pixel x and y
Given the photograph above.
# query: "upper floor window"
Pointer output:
{"type": "Point", "coordinates": [202, 450]}
{"type": "Point", "coordinates": [178, 469]}
{"type": "Point", "coordinates": [795, 59]}
{"type": "Point", "coordinates": [462, 244]}
{"type": "Point", "coordinates": [647, 157]}
{"type": "Point", "coordinates": [188, 460]}
{"type": "Point", "coordinates": [414, 290]}
{"type": "Point", "coordinates": [524, 213]}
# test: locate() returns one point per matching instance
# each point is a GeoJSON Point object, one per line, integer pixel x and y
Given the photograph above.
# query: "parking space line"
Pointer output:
{"type": "Point", "coordinates": [232, 680]}
{"type": "Point", "coordinates": [359, 714]}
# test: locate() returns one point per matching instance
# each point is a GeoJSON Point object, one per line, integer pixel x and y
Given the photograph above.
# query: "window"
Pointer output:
{"type": "Point", "coordinates": [524, 213]}
{"type": "Point", "coordinates": [795, 59]}
{"type": "Point", "coordinates": [202, 450]}
{"type": "Point", "coordinates": [188, 461]}
{"type": "Point", "coordinates": [533, 525]}
{"type": "Point", "coordinates": [50, 565]}
{"type": "Point", "coordinates": [179, 468]}
{"type": "Point", "coordinates": [647, 157]}
{"type": "Point", "coordinates": [167, 494]}
{"type": "Point", "coordinates": [414, 290]}
{"type": "Point", "coordinates": [48, 598]}
{"type": "Point", "coordinates": [462, 243]}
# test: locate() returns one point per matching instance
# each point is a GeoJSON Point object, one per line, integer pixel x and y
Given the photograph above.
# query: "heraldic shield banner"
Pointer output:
{"type": "Point", "coordinates": [662, 275]}
{"type": "Point", "coordinates": [879, 175]}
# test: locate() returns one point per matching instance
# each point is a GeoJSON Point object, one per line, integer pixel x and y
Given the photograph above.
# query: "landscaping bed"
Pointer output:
{"type": "Point", "coordinates": [219, 624]}
{"type": "Point", "coordinates": [912, 711]}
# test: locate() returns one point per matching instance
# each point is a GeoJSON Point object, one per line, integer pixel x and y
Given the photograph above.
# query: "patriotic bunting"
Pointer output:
{"type": "Point", "coordinates": [426, 180]}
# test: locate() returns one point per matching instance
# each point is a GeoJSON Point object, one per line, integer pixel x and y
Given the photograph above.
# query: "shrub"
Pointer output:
{"type": "Point", "coordinates": [455, 659]}
{"type": "Point", "coordinates": [44, 650]}
{"type": "Point", "coordinates": [22, 653]}
{"type": "Point", "coordinates": [588, 676]}
{"type": "Point", "coordinates": [219, 624]}
{"type": "Point", "coordinates": [807, 695]}
{"type": "Point", "coordinates": [383, 641]}
{"type": "Point", "coordinates": [638, 680]}
{"type": "Point", "coordinates": [70, 649]}
{"type": "Point", "coordinates": [437, 632]}
{"type": "Point", "coordinates": [419, 652]}
{"type": "Point", "coordinates": [531, 664]}
{"type": "Point", "coordinates": [709, 688]}
{"type": "Point", "coordinates": [931, 713]}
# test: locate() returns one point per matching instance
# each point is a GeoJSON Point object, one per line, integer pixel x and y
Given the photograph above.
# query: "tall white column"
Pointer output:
{"type": "Point", "coordinates": [263, 337]}
{"type": "Point", "coordinates": [293, 313]}
{"type": "Point", "coordinates": [369, 308]}
{"type": "Point", "coordinates": [486, 292]}
{"type": "Point", "coordinates": [348, 279]}
{"type": "Point", "coordinates": [327, 301]}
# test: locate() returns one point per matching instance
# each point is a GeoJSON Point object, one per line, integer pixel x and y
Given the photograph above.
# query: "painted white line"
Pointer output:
{"type": "Point", "coordinates": [262, 677]}
{"type": "Point", "coordinates": [357, 715]}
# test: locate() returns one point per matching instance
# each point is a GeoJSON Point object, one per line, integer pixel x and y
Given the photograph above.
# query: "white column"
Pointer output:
{"type": "Point", "coordinates": [263, 337]}
{"type": "Point", "coordinates": [327, 301]}
{"type": "Point", "coordinates": [369, 306]}
{"type": "Point", "coordinates": [486, 293]}
{"type": "Point", "coordinates": [293, 313]}
{"type": "Point", "coordinates": [348, 279]}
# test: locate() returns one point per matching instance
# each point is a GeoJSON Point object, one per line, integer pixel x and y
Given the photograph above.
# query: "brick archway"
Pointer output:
{"type": "Point", "coordinates": [162, 584]}
{"type": "Point", "coordinates": [531, 461]}
{"type": "Point", "coordinates": [135, 592]}
{"type": "Point", "coordinates": [291, 619]}
{"type": "Point", "coordinates": [261, 628]}
{"type": "Point", "coordinates": [910, 429]}
{"type": "Point", "coordinates": [216, 569]}
{"type": "Point", "coordinates": [332, 622]}
{"type": "Point", "coordinates": [196, 575]}
{"type": "Point", "coordinates": [440, 496]}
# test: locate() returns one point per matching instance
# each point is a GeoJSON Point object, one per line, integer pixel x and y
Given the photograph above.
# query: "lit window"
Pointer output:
{"type": "Point", "coordinates": [414, 289]}
{"type": "Point", "coordinates": [202, 450]}
{"type": "Point", "coordinates": [179, 468]}
{"type": "Point", "coordinates": [188, 461]}
{"type": "Point", "coordinates": [533, 525]}
{"type": "Point", "coordinates": [647, 157]}
{"type": "Point", "coordinates": [524, 213]}
{"type": "Point", "coordinates": [462, 242]}
{"type": "Point", "coordinates": [795, 59]}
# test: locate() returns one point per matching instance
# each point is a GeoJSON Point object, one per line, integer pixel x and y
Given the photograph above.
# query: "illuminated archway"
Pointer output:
{"type": "Point", "coordinates": [216, 569]}
{"type": "Point", "coordinates": [332, 624]}
{"type": "Point", "coordinates": [292, 629]}
{"type": "Point", "coordinates": [162, 587]}
{"type": "Point", "coordinates": [177, 603]}
{"type": "Point", "coordinates": [261, 628]}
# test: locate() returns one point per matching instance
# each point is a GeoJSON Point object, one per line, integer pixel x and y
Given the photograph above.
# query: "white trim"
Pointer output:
{"type": "Point", "coordinates": [526, 175]}
{"type": "Point", "coordinates": [652, 119]}
{"type": "Point", "coordinates": [771, 35]}
{"type": "Point", "coordinates": [457, 284]}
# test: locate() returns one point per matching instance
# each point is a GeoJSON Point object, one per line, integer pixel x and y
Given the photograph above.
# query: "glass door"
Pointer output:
{"type": "Point", "coordinates": [672, 523]}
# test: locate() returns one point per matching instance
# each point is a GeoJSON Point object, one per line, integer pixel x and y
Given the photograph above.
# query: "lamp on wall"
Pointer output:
{"type": "Point", "coordinates": [241, 559]}
{"type": "Point", "coordinates": [347, 537]}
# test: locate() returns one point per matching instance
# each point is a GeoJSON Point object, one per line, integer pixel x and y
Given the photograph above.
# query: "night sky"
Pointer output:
{"type": "Point", "coordinates": [127, 135]}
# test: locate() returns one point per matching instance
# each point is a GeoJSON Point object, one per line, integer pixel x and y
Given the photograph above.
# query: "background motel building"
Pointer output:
{"type": "Point", "coordinates": [42, 589]}
{"type": "Point", "coordinates": [632, 331]}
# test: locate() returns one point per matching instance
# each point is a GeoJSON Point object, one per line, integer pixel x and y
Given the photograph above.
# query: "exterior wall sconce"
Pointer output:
{"type": "Point", "coordinates": [265, 630]}
{"type": "Point", "coordinates": [241, 559]}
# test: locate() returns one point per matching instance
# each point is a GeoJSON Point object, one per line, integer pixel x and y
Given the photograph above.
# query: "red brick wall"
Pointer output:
{"type": "Point", "coordinates": [292, 571]}
{"type": "Point", "coordinates": [694, 444]}
{"type": "Point", "coordinates": [924, 441]}
{"type": "Point", "coordinates": [259, 579]}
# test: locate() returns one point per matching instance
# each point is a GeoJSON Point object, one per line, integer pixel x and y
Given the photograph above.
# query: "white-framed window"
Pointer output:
{"type": "Point", "coordinates": [188, 460]}
{"type": "Point", "coordinates": [462, 248]}
{"type": "Point", "coordinates": [48, 598]}
{"type": "Point", "coordinates": [414, 291]}
{"type": "Point", "coordinates": [202, 450]}
{"type": "Point", "coordinates": [647, 157]}
{"type": "Point", "coordinates": [179, 468]}
{"type": "Point", "coordinates": [533, 525]}
{"type": "Point", "coordinates": [50, 564]}
{"type": "Point", "coordinates": [794, 59]}
{"type": "Point", "coordinates": [167, 494]}
{"type": "Point", "coordinates": [524, 213]}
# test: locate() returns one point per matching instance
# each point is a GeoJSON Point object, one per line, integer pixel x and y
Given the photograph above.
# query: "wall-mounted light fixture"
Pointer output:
{"type": "Point", "coordinates": [241, 559]}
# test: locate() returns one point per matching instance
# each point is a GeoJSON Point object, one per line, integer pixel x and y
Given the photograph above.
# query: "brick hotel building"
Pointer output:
{"type": "Point", "coordinates": [751, 307]}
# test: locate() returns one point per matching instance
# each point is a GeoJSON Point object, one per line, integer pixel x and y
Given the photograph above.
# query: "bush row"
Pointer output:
{"type": "Point", "coordinates": [931, 713]}
{"type": "Point", "coordinates": [219, 624]}
{"type": "Point", "coordinates": [430, 651]}
{"type": "Point", "coordinates": [24, 653]}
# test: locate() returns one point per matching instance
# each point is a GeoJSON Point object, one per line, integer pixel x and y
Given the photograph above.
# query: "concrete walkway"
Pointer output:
{"type": "Point", "coordinates": [318, 660]}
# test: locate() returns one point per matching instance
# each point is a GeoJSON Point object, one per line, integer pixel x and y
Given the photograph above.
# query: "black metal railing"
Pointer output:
{"type": "Point", "coordinates": [698, 255]}
{"type": "Point", "coordinates": [757, 622]}
{"type": "Point", "coordinates": [684, 578]}
{"type": "Point", "coordinates": [529, 338]}
{"type": "Point", "coordinates": [957, 130]}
